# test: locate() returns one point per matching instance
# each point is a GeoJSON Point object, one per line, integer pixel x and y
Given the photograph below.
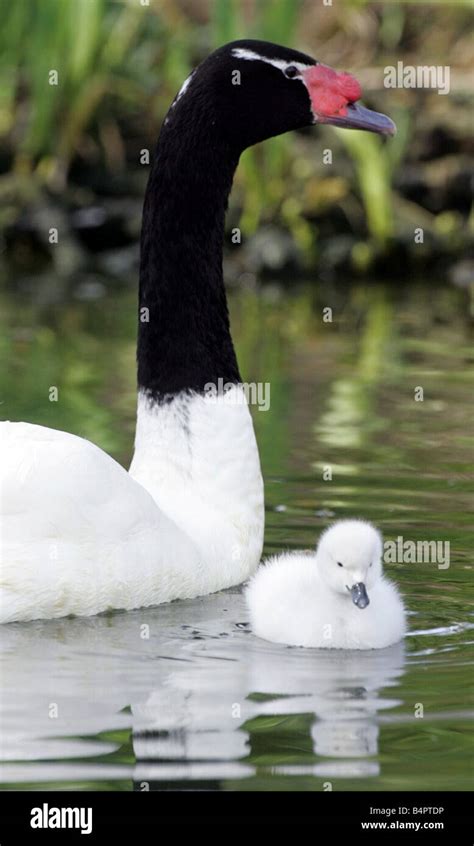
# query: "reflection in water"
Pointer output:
{"type": "Point", "coordinates": [90, 703]}
{"type": "Point", "coordinates": [200, 697]}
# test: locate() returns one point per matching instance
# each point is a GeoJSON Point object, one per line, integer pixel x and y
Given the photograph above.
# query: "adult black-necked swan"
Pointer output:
{"type": "Point", "coordinates": [81, 535]}
{"type": "Point", "coordinates": [334, 598]}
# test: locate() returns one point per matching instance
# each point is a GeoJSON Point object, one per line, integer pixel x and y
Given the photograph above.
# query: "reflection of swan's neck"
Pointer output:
{"type": "Point", "coordinates": [352, 742]}
{"type": "Point", "coordinates": [175, 731]}
{"type": "Point", "coordinates": [351, 738]}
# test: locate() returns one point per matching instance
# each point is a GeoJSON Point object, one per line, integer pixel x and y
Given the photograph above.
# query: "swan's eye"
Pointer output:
{"type": "Point", "coordinates": [370, 565]}
{"type": "Point", "coordinates": [291, 71]}
{"type": "Point", "coordinates": [339, 564]}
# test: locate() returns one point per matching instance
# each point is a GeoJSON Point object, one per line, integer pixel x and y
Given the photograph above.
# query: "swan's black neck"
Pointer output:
{"type": "Point", "coordinates": [184, 340]}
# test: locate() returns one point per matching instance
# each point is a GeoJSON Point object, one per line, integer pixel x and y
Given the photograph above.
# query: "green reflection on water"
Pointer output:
{"type": "Point", "coordinates": [342, 396]}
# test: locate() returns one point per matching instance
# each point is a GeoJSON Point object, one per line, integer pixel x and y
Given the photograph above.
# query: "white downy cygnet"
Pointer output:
{"type": "Point", "coordinates": [335, 598]}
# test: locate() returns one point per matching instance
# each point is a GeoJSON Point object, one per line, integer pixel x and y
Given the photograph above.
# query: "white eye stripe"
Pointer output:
{"type": "Point", "coordinates": [183, 87]}
{"type": "Point", "coordinates": [281, 64]}
{"type": "Point", "coordinates": [181, 91]}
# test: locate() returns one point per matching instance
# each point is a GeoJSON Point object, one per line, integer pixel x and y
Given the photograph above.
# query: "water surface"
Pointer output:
{"type": "Point", "coordinates": [184, 695]}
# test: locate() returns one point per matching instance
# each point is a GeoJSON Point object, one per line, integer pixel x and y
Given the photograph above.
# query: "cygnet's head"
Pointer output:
{"type": "Point", "coordinates": [349, 557]}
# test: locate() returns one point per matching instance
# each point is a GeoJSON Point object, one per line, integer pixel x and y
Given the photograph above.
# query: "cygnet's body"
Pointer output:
{"type": "Point", "coordinates": [335, 598]}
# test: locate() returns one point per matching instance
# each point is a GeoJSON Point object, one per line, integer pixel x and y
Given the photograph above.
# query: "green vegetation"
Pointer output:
{"type": "Point", "coordinates": [119, 64]}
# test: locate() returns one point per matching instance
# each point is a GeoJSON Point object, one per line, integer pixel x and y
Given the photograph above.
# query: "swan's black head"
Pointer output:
{"type": "Point", "coordinates": [247, 91]}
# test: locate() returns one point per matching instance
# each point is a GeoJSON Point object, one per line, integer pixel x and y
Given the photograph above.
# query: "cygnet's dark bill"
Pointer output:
{"type": "Point", "coordinates": [359, 595]}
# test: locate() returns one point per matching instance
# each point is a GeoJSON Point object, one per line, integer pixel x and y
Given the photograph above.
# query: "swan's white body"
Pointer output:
{"type": "Point", "coordinates": [303, 599]}
{"type": "Point", "coordinates": [79, 535]}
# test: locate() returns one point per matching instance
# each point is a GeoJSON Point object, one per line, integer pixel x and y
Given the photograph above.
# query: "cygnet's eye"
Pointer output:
{"type": "Point", "coordinates": [291, 71]}
{"type": "Point", "coordinates": [339, 564]}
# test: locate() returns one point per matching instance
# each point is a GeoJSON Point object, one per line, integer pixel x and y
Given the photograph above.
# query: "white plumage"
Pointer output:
{"type": "Point", "coordinates": [79, 535]}
{"type": "Point", "coordinates": [304, 599]}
